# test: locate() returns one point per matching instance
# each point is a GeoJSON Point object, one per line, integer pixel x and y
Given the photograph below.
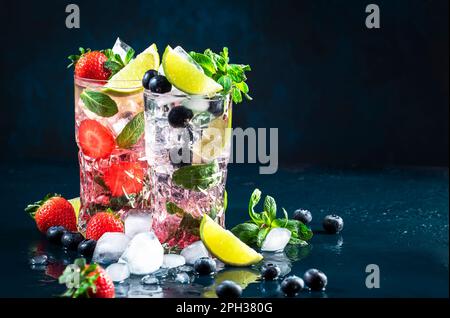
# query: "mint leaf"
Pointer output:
{"type": "Point", "coordinates": [262, 235]}
{"type": "Point", "coordinates": [190, 224]}
{"type": "Point", "coordinates": [270, 206]}
{"type": "Point", "coordinates": [198, 177]}
{"type": "Point", "coordinates": [297, 241]}
{"type": "Point", "coordinates": [304, 232]}
{"type": "Point", "coordinates": [99, 103]}
{"type": "Point", "coordinates": [243, 87]}
{"type": "Point", "coordinates": [246, 232]}
{"type": "Point", "coordinates": [173, 209]}
{"type": "Point", "coordinates": [226, 82]}
{"type": "Point", "coordinates": [254, 200]}
{"type": "Point", "coordinates": [236, 95]}
{"type": "Point", "coordinates": [206, 62]}
{"type": "Point", "coordinates": [129, 56]}
{"type": "Point", "coordinates": [132, 132]}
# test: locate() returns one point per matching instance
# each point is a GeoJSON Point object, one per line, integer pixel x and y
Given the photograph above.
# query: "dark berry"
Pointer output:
{"type": "Point", "coordinates": [291, 285]}
{"type": "Point", "coordinates": [228, 289]}
{"type": "Point", "coordinates": [180, 116]}
{"type": "Point", "coordinates": [86, 248]}
{"type": "Point", "coordinates": [147, 77]}
{"type": "Point", "coordinates": [70, 240]}
{"type": "Point", "coordinates": [270, 271]}
{"type": "Point", "coordinates": [216, 107]}
{"type": "Point", "coordinates": [54, 233]}
{"type": "Point", "coordinates": [303, 216]}
{"type": "Point", "coordinates": [205, 266]}
{"type": "Point", "coordinates": [315, 279]}
{"type": "Point", "coordinates": [159, 84]}
{"type": "Point", "coordinates": [333, 224]}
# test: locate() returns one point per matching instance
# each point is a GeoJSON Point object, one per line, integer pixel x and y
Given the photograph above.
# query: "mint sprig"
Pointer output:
{"type": "Point", "coordinates": [231, 76]}
{"type": "Point", "coordinates": [255, 231]}
{"type": "Point", "coordinates": [115, 62]}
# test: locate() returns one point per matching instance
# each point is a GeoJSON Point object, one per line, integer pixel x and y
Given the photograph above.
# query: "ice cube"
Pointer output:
{"type": "Point", "coordinates": [137, 221]}
{"type": "Point", "coordinates": [182, 278]}
{"type": "Point", "coordinates": [110, 247]}
{"type": "Point", "coordinates": [119, 125]}
{"type": "Point", "coordinates": [181, 52]}
{"type": "Point", "coordinates": [173, 260]}
{"type": "Point", "coordinates": [276, 240]}
{"type": "Point", "coordinates": [194, 251]}
{"type": "Point", "coordinates": [144, 254]}
{"type": "Point", "coordinates": [118, 272]}
{"type": "Point", "coordinates": [186, 269]}
{"type": "Point", "coordinates": [280, 259]}
{"type": "Point", "coordinates": [197, 104]}
{"type": "Point", "coordinates": [149, 280]}
{"type": "Point", "coordinates": [122, 289]}
{"type": "Point", "coordinates": [40, 260]}
{"type": "Point", "coordinates": [121, 48]}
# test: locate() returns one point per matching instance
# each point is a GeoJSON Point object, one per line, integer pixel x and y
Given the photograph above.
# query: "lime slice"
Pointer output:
{"type": "Point", "coordinates": [127, 80]}
{"type": "Point", "coordinates": [241, 276]}
{"type": "Point", "coordinates": [76, 205]}
{"type": "Point", "coordinates": [225, 246]}
{"type": "Point", "coordinates": [186, 76]}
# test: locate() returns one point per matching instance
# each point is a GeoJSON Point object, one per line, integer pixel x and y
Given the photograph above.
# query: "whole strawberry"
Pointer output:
{"type": "Point", "coordinates": [90, 280]}
{"type": "Point", "coordinates": [101, 223]}
{"type": "Point", "coordinates": [53, 210]}
{"type": "Point", "coordinates": [90, 64]}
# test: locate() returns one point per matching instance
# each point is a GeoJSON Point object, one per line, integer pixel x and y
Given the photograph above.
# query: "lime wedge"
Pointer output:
{"type": "Point", "coordinates": [128, 79]}
{"type": "Point", "coordinates": [225, 246]}
{"type": "Point", "coordinates": [76, 205]}
{"type": "Point", "coordinates": [186, 76]}
{"type": "Point", "coordinates": [214, 140]}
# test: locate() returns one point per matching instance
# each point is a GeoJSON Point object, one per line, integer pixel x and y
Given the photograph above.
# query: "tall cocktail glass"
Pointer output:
{"type": "Point", "coordinates": [187, 142]}
{"type": "Point", "coordinates": [112, 161]}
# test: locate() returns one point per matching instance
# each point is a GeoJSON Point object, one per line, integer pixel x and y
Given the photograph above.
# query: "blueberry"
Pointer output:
{"type": "Point", "coordinates": [270, 271]}
{"type": "Point", "coordinates": [315, 279]}
{"type": "Point", "coordinates": [216, 107]}
{"type": "Point", "coordinates": [180, 116]}
{"type": "Point", "coordinates": [86, 248]}
{"type": "Point", "coordinates": [159, 84]}
{"type": "Point", "coordinates": [291, 285]}
{"type": "Point", "coordinates": [228, 289]}
{"type": "Point", "coordinates": [205, 266]}
{"type": "Point", "coordinates": [54, 233]}
{"type": "Point", "coordinates": [147, 77]}
{"type": "Point", "coordinates": [333, 224]}
{"type": "Point", "coordinates": [303, 216]}
{"type": "Point", "coordinates": [70, 240]}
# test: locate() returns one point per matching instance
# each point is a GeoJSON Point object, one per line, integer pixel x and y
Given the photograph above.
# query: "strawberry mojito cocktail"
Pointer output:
{"type": "Point", "coordinates": [109, 124]}
{"type": "Point", "coordinates": [187, 137]}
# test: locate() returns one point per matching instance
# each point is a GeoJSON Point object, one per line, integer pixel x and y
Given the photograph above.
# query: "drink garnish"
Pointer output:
{"type": "Point", "coordinates": [255, 231]}
{"type": "Point", "coordinates": [230, 76]}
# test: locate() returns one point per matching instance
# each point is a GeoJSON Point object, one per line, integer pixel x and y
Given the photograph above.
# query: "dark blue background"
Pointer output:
{"type": "Point", "coordinates": [338, 92]}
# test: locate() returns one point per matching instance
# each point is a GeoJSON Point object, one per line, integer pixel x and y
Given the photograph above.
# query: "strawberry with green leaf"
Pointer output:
{"type": "Point", "coordinates": [53, 210]}
{"type": "Point", "coordinates": [87, 280]}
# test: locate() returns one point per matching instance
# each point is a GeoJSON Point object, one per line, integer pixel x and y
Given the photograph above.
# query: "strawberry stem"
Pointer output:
{"type": "Point", "coordinates": [32, 208]}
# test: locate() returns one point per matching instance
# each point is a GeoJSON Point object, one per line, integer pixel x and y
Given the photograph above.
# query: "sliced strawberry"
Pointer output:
{"type": "Point", "coordinates": [124, 178]}
{"type": "Point", "coordinates": [96, 141]}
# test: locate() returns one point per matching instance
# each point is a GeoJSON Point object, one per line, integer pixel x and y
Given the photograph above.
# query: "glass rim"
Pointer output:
{"type": "Point", "coordinates": [179, 94]}
{"type": "Point", "coordinates": [103, 82]}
